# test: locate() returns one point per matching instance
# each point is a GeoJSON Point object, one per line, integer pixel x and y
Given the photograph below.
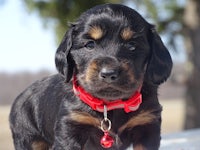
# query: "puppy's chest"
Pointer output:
{"type": "Point", "coordinates": [120, 128]}
{"type": "Point", "coordinates": [118, 119]}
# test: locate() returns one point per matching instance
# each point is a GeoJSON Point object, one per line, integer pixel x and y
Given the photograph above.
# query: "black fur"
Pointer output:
{"type": "Point", "coordinates": [109, 68]}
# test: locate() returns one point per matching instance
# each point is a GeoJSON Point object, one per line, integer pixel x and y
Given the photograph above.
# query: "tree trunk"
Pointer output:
{"type": "Point", "coordinates": [192, 38]}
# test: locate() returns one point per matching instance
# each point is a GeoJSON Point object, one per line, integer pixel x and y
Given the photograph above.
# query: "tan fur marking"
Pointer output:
{"type": "Point", "coordinates": [131, 75]}
{"type": "Point", "coordinates": [144, 117]}
{"type": "Point", "coordinates": [91, 71]}
{"type": "Point", "coordinates": [85, 118]}
{"type": "Point", "coordinates": [127, 33]}
{"type": "Point", "coordinates": [40, 145]}
{"type": "Point", "coordinates": [129, 71]}
{"type": "Point", "coordinates": [139, 147]}
{"type": "Point", "coordinates": [95, 32]}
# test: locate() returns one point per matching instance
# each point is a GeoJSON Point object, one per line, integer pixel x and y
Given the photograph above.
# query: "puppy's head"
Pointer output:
{"type": "Point", "coordinates": [112, 50]}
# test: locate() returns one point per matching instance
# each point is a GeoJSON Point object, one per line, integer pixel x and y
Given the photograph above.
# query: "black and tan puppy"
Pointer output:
{"type": "Point", "coordinates": [108, 59]}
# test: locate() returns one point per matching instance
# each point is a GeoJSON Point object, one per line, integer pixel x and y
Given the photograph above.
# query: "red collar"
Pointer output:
{"type": "Point", "coordinates": [97, 104]}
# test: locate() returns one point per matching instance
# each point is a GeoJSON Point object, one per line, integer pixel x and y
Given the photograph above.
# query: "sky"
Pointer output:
{"type": "Point", "coordinates": [25, 45]}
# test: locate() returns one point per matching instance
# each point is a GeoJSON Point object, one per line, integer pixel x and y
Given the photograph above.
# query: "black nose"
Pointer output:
{"type": "Point", "coordinates": [109, 75]}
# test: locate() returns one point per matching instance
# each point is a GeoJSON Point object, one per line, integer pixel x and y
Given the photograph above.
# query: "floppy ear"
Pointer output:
{"type": "Point", "coordinates": [160, 63]}
{"type": "Point", "coordinates": [63, 59]}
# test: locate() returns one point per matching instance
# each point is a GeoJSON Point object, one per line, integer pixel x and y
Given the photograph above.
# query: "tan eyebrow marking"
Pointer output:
{"type": "Point", "coordinates": [127, 33]}
{"type": "Point", "coordinates": [95, 32]}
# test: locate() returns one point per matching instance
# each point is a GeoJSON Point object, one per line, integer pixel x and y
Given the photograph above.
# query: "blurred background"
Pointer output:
{"type": "Point", "coordinates": [30, 31]}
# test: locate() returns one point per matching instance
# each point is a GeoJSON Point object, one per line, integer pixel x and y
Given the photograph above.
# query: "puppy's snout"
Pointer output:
{"type": "Point", "coordinates": [109, 75]}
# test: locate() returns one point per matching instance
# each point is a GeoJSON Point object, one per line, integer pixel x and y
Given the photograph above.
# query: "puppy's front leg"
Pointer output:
{"type": "Point", "coordinates": [70, 136]}
{"type": "Point", "coordinates": [148, 138]}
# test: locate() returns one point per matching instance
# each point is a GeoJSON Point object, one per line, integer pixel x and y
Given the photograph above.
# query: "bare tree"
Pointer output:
{"type": "Point", "coordinates": [192, 40]}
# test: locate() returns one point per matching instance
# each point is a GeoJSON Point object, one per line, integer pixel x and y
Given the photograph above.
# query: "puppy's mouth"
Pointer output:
{"type": "Point", "coordinates": [111, 92]}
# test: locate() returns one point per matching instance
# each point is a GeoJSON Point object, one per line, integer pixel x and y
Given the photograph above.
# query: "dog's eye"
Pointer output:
{"type": "Point", "coordinates": [90, 45]}
{"type": "Point", "coordinates": [131, 46]}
